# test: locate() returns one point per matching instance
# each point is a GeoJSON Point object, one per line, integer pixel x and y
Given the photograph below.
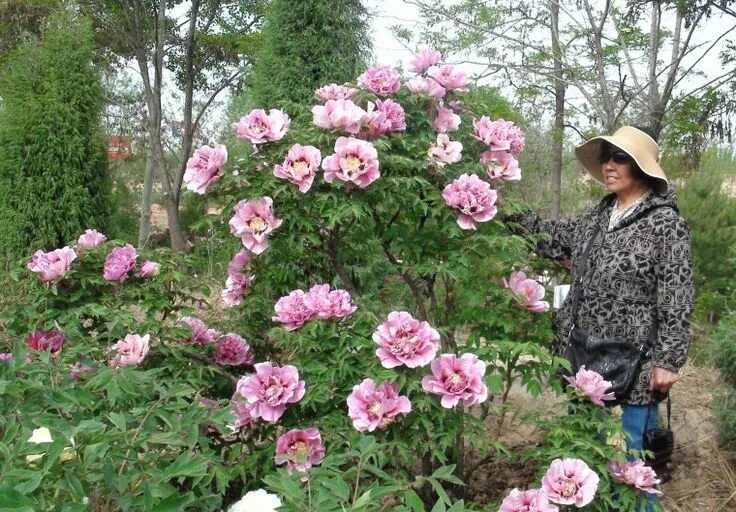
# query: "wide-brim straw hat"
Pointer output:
{"type": "Point", "coordinates": [634, 142]}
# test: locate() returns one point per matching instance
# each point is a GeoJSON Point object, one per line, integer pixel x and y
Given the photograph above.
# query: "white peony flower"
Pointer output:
{"type": "Point", "coordinates": [40, 435]}
{"type": "Point", "coordinates": [256, 501]}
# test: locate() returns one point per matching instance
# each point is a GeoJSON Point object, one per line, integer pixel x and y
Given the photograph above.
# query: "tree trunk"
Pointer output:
{"type": "Point", "coordinates": [559, 126]}
{"type": "Point", "coordinates": [144, 227]}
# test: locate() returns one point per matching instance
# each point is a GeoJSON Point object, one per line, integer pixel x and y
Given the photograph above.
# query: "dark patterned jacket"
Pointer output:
{"type": "Point", "coordinates": [639, 271]}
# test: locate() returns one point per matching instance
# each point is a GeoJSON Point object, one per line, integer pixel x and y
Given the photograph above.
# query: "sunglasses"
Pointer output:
{"type": "Point", "coordinates": [618, 157]}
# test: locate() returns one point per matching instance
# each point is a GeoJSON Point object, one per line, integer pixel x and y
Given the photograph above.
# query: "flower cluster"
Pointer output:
{"type": "Point", "coordinates": [403, 340]}
{"type": "Point", "coordinates": [335, 92]}
{"type": "Point", "coordinates": [475, 199]}
{"type": "Point", "coordinates": [300, 166]}
{"type": "Point", "coordinates": [259, 127]}
{"type": "Point", "coordinates": [505, 141]}
{"type": "Point", "coordinates": [355, 161]}
{"type": "Point", "coordinates": [52, 340]}
{"type": "Point", "coordinates": [457, 378]}
{"type": "Point", "coordinates": [90, 239]}
{"type": "Point", "coordinates": [300, 449]}
{"type": "Point", "coordinates": [528, 293]}
{"type": "Point", "coordinates": [119, 262]}
{"type": "Point", "coordinates": [233, 350]}
{"type": "Point", "coordinates": [299, 307]}
{"type": "Point", "coordinates": [532, 500]}
{"type": "Point", "coordinates": [381, 80]}
{"type": "Point", "coordinates": [200, 333]}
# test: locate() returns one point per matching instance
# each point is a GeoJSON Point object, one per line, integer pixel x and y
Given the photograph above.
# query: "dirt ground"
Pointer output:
{"type": "Point", "coordinates": [704, 478]}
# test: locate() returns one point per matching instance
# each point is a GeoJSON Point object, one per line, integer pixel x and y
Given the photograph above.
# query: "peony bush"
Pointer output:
{"type": "Point", "coordinates": [358, 353]}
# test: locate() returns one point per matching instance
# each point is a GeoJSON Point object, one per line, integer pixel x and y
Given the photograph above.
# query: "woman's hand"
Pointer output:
{"type": "Point", "coordinates": [662, 380]}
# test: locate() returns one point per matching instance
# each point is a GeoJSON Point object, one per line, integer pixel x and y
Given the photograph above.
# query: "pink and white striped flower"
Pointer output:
{"type": "Point", "coordinates": [381, 80]}
{"type": "Point", "coordinates": [205, 167]}
{"type": "Point", "coordinates": [403, 340]}
{"type": "Point", "coordinates": [300, 166]}
{"type": "Point", "coordinates": [253, 221]}
{"type": "Point", "coordinates": [270, 389]}
{"type": "Point", "coordinates": [372, 407]}
{"type": "Point", "coordinates": [355, 161]}
{"type": "Point", "coordinates": [475, 199]}
{"type": "Point", "coordinates": [300, 449]}
{"type": "Point", "coordinates": [457, 378]}
{"type": "Point", "coordinates": [259, 127]}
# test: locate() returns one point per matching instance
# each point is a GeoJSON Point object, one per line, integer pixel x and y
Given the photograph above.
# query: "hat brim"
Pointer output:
{"type": "Point", "coordinates": [589, 152]}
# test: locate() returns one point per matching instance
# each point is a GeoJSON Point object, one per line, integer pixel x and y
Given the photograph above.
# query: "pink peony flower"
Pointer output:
{"type": "Point", "coordinates": [237, 282]}
{"type": "Point", "coordinates": [446, 120]}
{"type": "Point", "coordinates": [449, 77]}
{"type": "Point", "coordinates": [533, 500]}
{"type": "Point", "coordinates": [475, 199]}
{"type": "Point", "coordinates": [428, 86]}
{"type": "Point", "coordinates": [132, 350]}
{"type": "Point", "coordinates": [6, 356]}
{"type": "Point", "coordinates": [326, 304]}
{"type": "Point", "coordinates": [354, 161]}
{"type": "Point", "coordinates": [445, 151]}
{"type": "Point", "coordinates": [78, 371]}
{"type": "Point", "coordinates": [570, 482]}
{"type": "Point", "coordinates": [335, 92]}
{"type": "Point", "coordinates": [253, 221]}
{"type": "Point", "coordinates": [259, 127]}
{"type": "Point", "coordinates": [300, 449]}
{"type": "Point", "coordinates": [52, 340]}
{"type": "Point", "coordinates": [270, 389]}
{"type": "Point", "coordinates": [91, 238]}
{"type": "Point", "coordinates": [233, 350]}
{"type": "Point", "coordinates": [384, 117]}
{"type": "Point", "coordinates": [499, 135]}
{"type": "Point", "coordinates": [636, 474]}
{"type": "Point", "coordinates": [300, 166]}
{"type": "Point", "coordinates": [372, 408]}
{"type": "Point", "coordinates": [527, 292]}
{"type": "Point", "coordinates": [341, 115]}
{"type": "Point", "coordinates": [201, 334]}
{"type": "Point", "coordinates": [149, 269]}
{"type": "Point", "coordinates": [424, 59]}
{"type": "Point", "coordinates": [382, 80]}
{"type": "Point", "coordinates": [457, 378]}
{"type": "Point", "coordinates": [119, 262]}
{"type": "Point", "coordinates": [205, 167]}
{"type": "Point", "coordinates": [240, 413]}
{"type": "Point", "coordinates": [501, 165]}
{"type": "Point", "coordinates": [591, 384]}
{"type": "Point", "coordinates": [292, 311]}
{"type": "Point", "coordinates": [405, 341]}
{"type": "Point", "coordinates": [53, 264]}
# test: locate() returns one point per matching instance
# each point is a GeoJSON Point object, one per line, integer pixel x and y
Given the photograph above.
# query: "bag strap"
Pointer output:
{"type": "Point", "coordinates": [578, 283]}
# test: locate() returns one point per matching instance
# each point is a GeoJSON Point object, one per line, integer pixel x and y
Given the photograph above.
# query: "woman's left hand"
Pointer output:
{"type": "Point", "coordinates": [662, 380]}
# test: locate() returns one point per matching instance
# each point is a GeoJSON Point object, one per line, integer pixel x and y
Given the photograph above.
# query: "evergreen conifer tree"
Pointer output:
{"type": "Point", "coordinates": [308, 44]}
{"type": "Point", "coordinates": [54, 178]}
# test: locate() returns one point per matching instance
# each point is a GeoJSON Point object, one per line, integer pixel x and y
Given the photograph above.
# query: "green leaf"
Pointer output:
{"type": "Point", "coordinates": [439, 507]}
{"type": "Point", "coordinates": [186, 465]}
{"type": "Point", "coordinates": [363, 500]}
{"type": "Point", "coordinates": [338, 487]}
{"type": "Point", "coordinates": [118, 419]}
{"type": "Point", "coordinates": [413, 500]}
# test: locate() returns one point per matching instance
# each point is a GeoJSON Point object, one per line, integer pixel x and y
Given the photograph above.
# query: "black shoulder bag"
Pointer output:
{"type": "Point", "coordinates": [617, 360]}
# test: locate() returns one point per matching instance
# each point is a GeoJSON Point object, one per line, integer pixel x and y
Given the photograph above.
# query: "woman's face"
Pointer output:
{"type": "Point", "coordinates": [617, 168]}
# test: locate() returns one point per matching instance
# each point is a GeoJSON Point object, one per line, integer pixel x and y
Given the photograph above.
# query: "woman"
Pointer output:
{"type": "Point", "coordinates": [637, 280]}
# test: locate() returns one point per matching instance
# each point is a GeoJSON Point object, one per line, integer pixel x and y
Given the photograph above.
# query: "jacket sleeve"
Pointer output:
{"type": "Point", "coordinates": [675, 293]}
{"type": "Point", "coordinates": [560, 234]}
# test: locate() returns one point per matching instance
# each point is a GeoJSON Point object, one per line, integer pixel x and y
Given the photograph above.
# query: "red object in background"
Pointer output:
{"type": "Point", "coordinates": [118, 147]}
